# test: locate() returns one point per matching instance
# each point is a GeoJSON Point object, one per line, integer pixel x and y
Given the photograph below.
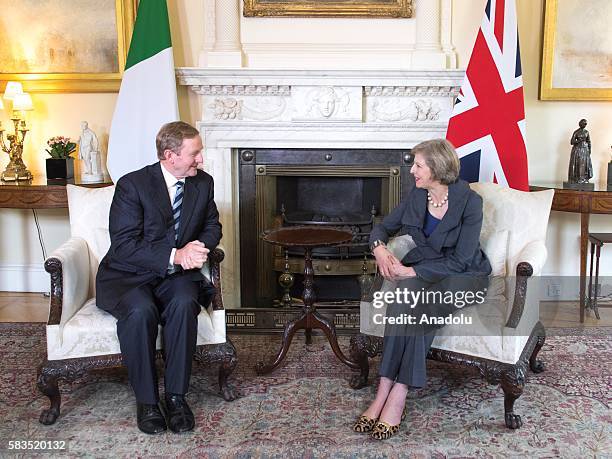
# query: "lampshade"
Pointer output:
{"type": "Point", "coordinates": [1, 106]}
{"type": "Point", "coordinates": [12, 89]}
{"type": "Point", "coordinates": [22, 101]}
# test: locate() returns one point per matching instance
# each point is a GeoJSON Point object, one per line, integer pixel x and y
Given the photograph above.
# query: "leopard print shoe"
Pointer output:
{"type": "Point", "coordinates": [364, 424]}
{"type": "Point", "coordinates": [383, 430]}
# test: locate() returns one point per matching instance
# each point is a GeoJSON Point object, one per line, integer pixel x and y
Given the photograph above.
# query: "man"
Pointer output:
{"type": "Point", "coordinates": [88, 151]}
{"type": "Point", "coordinates": [163, 223]}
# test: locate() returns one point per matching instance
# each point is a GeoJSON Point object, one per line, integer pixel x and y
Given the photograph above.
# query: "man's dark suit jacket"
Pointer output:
{"type": "Point", "coordinates": [453, 248]}
{"type": "Point", "coordinates": [142, 232]}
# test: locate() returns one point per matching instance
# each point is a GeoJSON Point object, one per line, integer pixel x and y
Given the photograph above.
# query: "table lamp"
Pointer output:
{"type": "Point", "coordinates": [21, 102]}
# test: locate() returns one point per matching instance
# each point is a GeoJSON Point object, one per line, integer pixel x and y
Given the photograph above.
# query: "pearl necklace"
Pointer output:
{"type": "Point", "coordinates": [436, 204]}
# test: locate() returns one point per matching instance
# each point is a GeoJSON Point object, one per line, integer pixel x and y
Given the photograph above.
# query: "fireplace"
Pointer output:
{"type": "Point", "coordinates": [253, 111]}
{"type": "Point", "coordinates": [346, 188]}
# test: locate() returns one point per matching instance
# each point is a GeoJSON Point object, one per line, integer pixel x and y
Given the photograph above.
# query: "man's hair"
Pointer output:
{"type": "Point", "coordinates": [171, 136]}
{"type": "Point", "coordinates": [441, 157]}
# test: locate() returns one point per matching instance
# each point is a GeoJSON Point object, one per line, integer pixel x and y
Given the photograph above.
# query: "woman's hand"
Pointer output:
{"type": "Point", "coordinates": [385, 261]}
{"type": "Point", "coordinates": [399, 272]}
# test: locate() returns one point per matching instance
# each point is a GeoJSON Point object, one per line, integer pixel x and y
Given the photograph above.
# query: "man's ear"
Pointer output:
{"type": "Point", "coordinates": [167, 154]}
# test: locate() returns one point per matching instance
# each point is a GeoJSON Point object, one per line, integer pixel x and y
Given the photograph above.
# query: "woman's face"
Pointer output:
{"type": "Point", "coordinates": [421, 172]}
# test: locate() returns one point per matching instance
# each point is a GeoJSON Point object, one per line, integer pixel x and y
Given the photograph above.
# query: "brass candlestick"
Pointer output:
{"type": "Point", "coordinates": [16, 169]}
{"type": "Point", "coordinates": [286, 280]}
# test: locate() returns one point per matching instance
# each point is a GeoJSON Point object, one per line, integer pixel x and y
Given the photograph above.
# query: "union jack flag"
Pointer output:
{"type": "Point", "coordinates": [487, 126]}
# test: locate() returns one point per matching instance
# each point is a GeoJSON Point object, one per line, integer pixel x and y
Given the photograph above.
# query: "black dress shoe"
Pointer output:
{"type": "Point", "coordinates": [180, 416]}
{"type": "Point", "coordinates": [150, 419]}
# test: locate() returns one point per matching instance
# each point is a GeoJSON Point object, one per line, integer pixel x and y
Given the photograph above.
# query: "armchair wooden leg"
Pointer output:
{"type": "Point", "coordinates": [47, 384]}
{"type": "Point", "coordinates": [537, 366]}
{"type": "Point", "coordinates": [227, 367]}
{"type": "Point", "coordinates": [361, 348]}
{"type": "Point", "coordinates": [513, 383]}
{"type": "Point", "coordinates": [225, 355]}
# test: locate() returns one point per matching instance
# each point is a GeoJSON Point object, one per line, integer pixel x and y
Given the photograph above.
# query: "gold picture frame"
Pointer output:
{"type": "Point", "coordinates": [566, 66]}
{"type": "Point", "coordinates": [72, 80]}
{"type": "Point", "coordinates": [332, 8]}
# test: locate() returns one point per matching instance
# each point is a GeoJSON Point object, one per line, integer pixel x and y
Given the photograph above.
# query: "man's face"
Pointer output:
{"type": "Point", "coordinates": [185, 163]}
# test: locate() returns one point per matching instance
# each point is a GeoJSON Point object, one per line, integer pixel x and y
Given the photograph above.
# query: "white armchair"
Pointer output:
{"type": "Point", "coordinates": [81, 336]}
{"type": "Point", "coordinates": [506, 333]}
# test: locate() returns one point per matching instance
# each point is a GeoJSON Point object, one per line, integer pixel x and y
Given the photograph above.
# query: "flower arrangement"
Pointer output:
{"type": "Point", "coordinates": [60, 147]}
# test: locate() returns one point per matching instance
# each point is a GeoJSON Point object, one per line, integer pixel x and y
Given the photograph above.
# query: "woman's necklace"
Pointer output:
{"type": "Point", "coordinates": [434, 203]}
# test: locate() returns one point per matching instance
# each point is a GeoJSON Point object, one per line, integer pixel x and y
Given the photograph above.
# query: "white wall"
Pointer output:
{"type": "Point", "coordinates": [269, 40]}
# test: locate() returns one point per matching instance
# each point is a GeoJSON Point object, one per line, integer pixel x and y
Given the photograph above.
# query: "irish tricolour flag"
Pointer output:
{"type": "Point", "coordinates": [147, 98]}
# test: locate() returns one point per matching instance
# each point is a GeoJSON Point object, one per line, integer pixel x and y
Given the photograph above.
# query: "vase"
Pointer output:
{"type": "Point", "coordinates": [60, 168]}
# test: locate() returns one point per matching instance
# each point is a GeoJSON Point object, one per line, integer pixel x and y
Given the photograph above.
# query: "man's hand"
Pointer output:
{"type": "Point", "coordinates": [193, 255]}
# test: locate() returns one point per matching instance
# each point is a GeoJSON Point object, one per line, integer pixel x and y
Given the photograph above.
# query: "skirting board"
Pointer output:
{"type": "Point", "coordinates": [23, 278]}
{"type": "Point", "coordinates": [567, 288]}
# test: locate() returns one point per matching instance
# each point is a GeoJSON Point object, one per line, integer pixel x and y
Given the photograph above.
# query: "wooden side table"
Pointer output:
{"type": "Point", "coordinates": [39, 193]}
{"type": "Point", "coordinates": [307, 238]}
{"type": "Point", "coordinates": [584, 202]}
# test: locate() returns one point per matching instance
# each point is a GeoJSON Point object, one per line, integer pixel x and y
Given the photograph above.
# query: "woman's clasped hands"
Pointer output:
{"type": "Point", "coordinates": [390, 267]}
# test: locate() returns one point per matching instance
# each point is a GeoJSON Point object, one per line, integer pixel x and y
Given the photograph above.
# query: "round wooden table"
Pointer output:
{"type": "Point", "coordinates": [307, 238]}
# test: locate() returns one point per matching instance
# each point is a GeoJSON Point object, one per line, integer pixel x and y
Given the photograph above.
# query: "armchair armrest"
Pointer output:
{"type": "Point", "coordinates": [70, 273]}
{"type": "Point", "coordinates": [534, 253]}
{"type": "Point", "coordinates": [531, 260]}
{"type": "Point", "coordinates": [215, 257]}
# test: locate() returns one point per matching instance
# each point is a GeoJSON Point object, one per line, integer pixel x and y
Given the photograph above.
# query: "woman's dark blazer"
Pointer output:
{"type": "Point", "coordinates": [453, 247]}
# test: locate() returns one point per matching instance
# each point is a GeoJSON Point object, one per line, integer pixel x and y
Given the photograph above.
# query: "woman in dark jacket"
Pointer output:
{"type": "Point", "coordinates": [443, 216]}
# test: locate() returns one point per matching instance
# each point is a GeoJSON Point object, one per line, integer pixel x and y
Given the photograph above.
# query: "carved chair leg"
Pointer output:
{"type": "Point", "coordinates": [513, 383]}
{"type": "Point", "coordinates": [225, 355]}
{"type": "Point", "coordinates": [361, 347]}
{"type": "Point", "coordinates": [47, 384]}
{"type": "Point", "coordinates": [537, 366]}
{"type": "Point", "coordinates": [227, 367]}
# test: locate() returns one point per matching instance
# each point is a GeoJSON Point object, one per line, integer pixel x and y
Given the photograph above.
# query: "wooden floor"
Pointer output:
{"type": "Point", "coordinates": [34, 307]}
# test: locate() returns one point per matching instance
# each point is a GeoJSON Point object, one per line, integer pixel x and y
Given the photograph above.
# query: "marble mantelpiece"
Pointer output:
{"type": "Point", "coordinates": [256, 108]}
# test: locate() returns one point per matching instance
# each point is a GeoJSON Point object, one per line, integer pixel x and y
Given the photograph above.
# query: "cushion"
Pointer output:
{"type": "Point", "coordinates": [89, 209]}
{"type": "Point", "coordinates": [524, 214]}
{"type": "Point", "coordinates": [495, 246]}
{"type": "Point", "coordinates": [487, 337]}
{"type": "Point", "coordinates": [92, 331]}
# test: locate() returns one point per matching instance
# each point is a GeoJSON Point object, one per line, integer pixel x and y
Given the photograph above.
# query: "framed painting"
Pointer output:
{"type": "Point", "coordinates": [65, 45]}
{"type": "Point", "coordinates": [328, 8]}
{"type": "Point", "coordinates": [577, 50]}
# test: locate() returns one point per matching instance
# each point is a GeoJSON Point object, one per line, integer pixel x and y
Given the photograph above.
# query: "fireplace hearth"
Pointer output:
{"type": "Point", "coordinates": [352, 189]}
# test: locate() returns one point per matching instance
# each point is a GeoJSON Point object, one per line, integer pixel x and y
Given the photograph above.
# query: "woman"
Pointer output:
{"type": "Point", "coordinates": [444, 217]}
{"type": "Point", "coordinates": [580, 166]}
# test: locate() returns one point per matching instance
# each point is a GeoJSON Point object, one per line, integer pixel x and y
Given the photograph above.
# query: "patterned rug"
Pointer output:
{"type": "Point", "coordinates": [306, 407]}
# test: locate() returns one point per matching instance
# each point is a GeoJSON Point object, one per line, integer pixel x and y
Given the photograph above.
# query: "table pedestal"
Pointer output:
{"type": "Point", "coordinates": [309, 320]}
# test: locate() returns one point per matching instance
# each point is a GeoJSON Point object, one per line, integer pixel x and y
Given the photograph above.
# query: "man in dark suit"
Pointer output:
{"type": "Point", "coordinates": [163, 223]}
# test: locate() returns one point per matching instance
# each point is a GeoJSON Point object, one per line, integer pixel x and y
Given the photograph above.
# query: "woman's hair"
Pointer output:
{"type": "Point", "coordinates": [441, 157]}
{"type": "Point", "coordinates": [171, 136]}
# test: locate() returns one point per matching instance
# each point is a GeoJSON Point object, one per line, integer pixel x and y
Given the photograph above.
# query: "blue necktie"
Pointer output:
{"type": "Point", "coordinates": [176, 208]}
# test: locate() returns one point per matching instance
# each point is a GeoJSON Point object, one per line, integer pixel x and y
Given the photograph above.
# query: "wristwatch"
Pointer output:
{"type": "Point", "coordinates": [376, 243]}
